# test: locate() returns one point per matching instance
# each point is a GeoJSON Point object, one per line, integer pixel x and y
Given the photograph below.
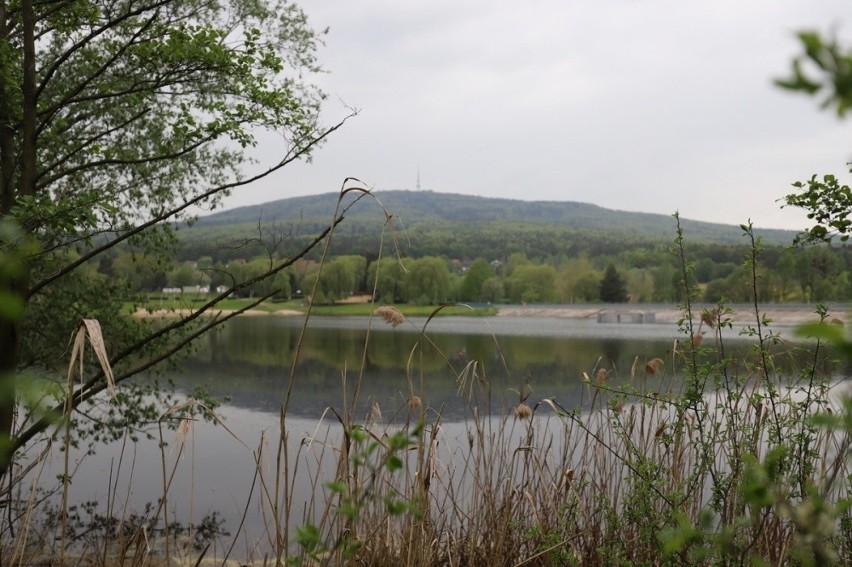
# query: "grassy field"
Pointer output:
{"type": "Point", "coordinates": [407, 310]}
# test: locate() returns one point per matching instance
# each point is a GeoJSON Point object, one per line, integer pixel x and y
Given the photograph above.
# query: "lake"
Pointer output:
{"type": "Point", "coordinates": [249, 361]}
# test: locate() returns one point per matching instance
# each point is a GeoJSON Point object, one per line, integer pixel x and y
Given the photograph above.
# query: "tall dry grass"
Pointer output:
{"type": "Point", "coordinates": [600, 484]}
{"type": "Point", "coordinates": [714, 461]}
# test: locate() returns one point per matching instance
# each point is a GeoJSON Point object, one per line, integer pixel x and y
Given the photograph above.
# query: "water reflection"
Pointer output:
{"type": "Point", "coordinates": [249, 361]}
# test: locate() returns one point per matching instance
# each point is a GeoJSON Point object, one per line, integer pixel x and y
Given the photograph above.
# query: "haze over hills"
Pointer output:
{"type": "Point", "coordinates": [428, 208]}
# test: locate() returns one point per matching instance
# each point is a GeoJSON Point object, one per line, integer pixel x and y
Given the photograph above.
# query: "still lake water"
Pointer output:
{"type": "Point", "coordinates": [249, 361]}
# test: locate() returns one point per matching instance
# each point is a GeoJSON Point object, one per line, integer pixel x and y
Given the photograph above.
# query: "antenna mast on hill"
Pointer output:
{"type": "Point", "coordinates": [418, 177]}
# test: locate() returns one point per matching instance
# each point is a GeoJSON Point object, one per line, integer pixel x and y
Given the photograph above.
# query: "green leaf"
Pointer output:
{"type": "Point", "coordinates": [822, 331]}
{"type": "Point", "coordinates": [12, 306]}
{"type": "Point", "coordinates": [308, 536]}
{"type": "Point", "coordinates": [394, 463]}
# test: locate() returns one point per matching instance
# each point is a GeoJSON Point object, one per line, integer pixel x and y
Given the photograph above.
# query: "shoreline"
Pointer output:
{"type": "Point", "coordinates": [777, 313]}
{"type": "Point", "coordinates": [143, 313]}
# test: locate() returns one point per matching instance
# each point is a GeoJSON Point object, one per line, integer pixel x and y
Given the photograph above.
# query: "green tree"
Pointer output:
{"type": "Point", "coordinates": [640, 284]}
{"type": "Point", "coordinates": [339, 278]}
{"type": "Point", "coordinates": [570, 274]}
{"type": "Point", "coordinates": [388, 276]}
{"type": "Point", "coordinates": [251, 276]}
{"type": "Point", "coordinates": [357, 267]}
{"type": "Point", "coordinates": [843, 290]}
{"type": "Point", "coordinates": [532, 283]}
{"type": "Point", "coordinates": [785, 269]}
{"type": "Point", "coordinates": [737, 287]}
{"type": "Point", "coordinates": [823, 69]}
{"type": "Point", "coordinates": [471, 288]}
{"type": "Point", "coordinates": [829, 203]}
{"type": "Point", "coordinates": [588, 289]}
{"type": "Point", "coordinates": [186, 275]}
{"type": "Point", "coordinates": [429, 280]}
{"type": "Point", "coordinates": [492, 290]}
{"type": "Point", "coordinates": [613, 288]}
{"type": "Point", "coordinates": [817, 270]}
{"type": "Point", "coordinates": [705, 270]}
{"type": "Point", "coordinates": [116, 119]}
{"type": "Point", "coordinates": [142, 272]}
{"type": "Point", "coordinates": [725, 269]}
{"type": "Point", "coordinates": [665, 280]}
{"type": "Point", "coordinates": [515, 261]}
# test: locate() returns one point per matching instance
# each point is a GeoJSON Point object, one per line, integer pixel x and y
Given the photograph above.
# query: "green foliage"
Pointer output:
{"type": "Point", "coordinates": [387, 276]}
{"type": "Point", "coordinates": [370, 459]}
{"type": "Point", "coordinates": [15, 247]}
{"type": "Point", "coordinates": [532, 283]}
{"type": "Point", "coordinates": [705, 270]}
{"type": "Point", "coordinates": [640, 284]}
{"type": "Point", "coordinates": [722, 468]}
{"type": "Point", "coordinates": [577, 280]}
{"type": "Point", "coordinates": [587, 289]}
{"type": "Point", "coordinates": [613, 288]}
{"type": "Point", "coordinates": [817, 274]}
{"type": "Point", "coordinates": [116, 120]}
{"type": "Point", "coordinates": [824, 67]}
{"type": "Point", "coordinates": [340, 278]}
{"type": "Point", "coordinates": [579, 253]}
{"type": "Point", "coordinates": [186, 275]}
{"type": "Point", "coordinates": [467, 226]}
{"type": "Point", "coordinates": [428, 281]}
{"type": "Point", "coordinates": [665, 283]}
{"type": "Point", "coordinates": [828, 203]}
{"type": "Point", "coordinates": [777, 490]}
{"type": "Point", "coordinates": [472, 284]}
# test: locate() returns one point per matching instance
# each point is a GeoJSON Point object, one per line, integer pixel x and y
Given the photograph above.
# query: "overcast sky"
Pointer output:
{"type": "Point", "coordinates": [636, 105]}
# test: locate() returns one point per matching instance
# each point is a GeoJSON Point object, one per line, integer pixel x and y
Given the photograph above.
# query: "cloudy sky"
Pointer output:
{"type": "Point", "coordinates": [636, 105]}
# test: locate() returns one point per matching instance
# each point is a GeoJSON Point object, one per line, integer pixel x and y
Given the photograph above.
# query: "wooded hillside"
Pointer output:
{"type": "Point", "coordinates": [462, 226]}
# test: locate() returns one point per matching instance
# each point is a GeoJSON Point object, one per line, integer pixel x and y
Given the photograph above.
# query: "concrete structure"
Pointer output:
{"type": "Point", "coordinates": [637, 317]}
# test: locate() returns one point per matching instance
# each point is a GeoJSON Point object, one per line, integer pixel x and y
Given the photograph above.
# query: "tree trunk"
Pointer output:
{"type": "Point", "coordinates": [16, 287]}
{"type": "Point", "coordinates": [8, 329]}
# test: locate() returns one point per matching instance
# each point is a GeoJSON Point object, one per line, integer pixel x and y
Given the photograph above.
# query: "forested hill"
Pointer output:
{"type": "Point", "coordinates": [427, 206]}
{"type": "Point", "coordinates": [463, 225]}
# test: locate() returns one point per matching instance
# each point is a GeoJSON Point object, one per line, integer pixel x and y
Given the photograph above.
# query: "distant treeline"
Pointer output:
{"type": "Point", "coordinates": [444, 247]}
{"type": "Point", "coordinates": [454, 240]}
{"type": "Point", "coordinates": [499, 263]}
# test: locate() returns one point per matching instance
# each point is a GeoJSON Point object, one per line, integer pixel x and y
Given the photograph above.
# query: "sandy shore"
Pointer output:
{"type": "Point", "coordinates": [778, 314]}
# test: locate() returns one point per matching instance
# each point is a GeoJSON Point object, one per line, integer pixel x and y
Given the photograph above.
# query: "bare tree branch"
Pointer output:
{"type": "Point", "coordinates": [97, 384]}
{"type": "Point", "coordinates": [292, 155]}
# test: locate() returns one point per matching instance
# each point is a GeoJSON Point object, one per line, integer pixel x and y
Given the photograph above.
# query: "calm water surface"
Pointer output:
{"type": "Point", "coordinates": [249, 361]}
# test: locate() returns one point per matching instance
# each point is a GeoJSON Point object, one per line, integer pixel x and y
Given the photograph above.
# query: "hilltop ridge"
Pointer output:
{"type": "Point", "coordinates": [416, 207]}
{"type": "Point", "coordinates": [572, 241]}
